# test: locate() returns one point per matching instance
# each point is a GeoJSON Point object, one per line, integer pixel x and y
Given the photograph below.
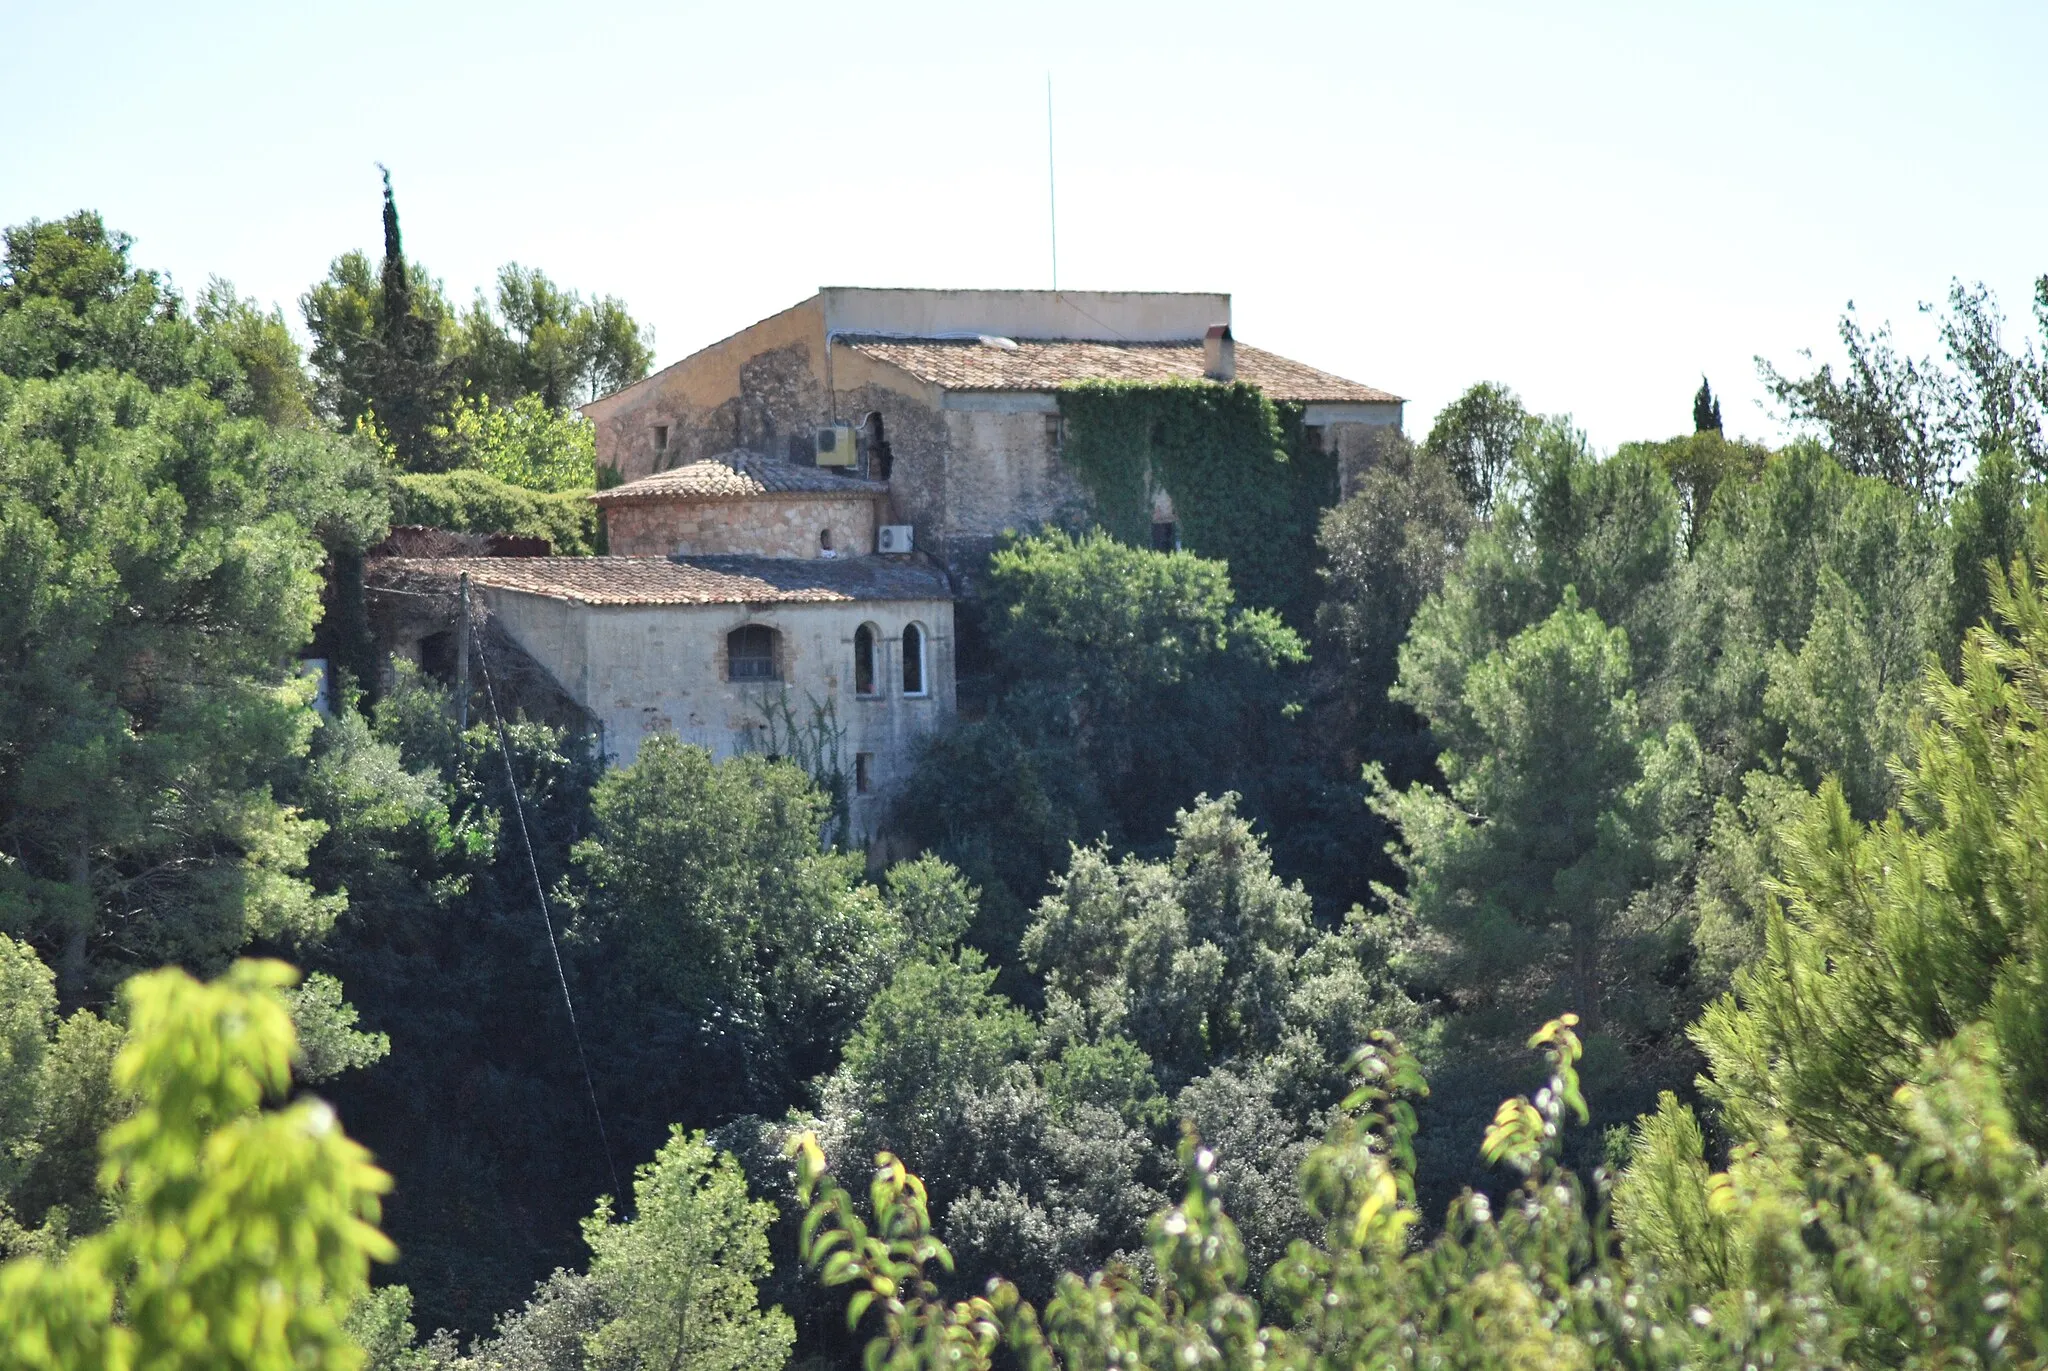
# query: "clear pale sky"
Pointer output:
{"type": "Point", "coordinates": [1592, 203]}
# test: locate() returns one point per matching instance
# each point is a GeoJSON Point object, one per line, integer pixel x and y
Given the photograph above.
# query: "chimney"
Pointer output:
{"type": "Point", "coordinates": [1219, 354]}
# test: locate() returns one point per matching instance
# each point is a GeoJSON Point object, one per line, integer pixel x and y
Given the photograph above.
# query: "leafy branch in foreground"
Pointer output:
{"type": "Point", "coordinates": [243, 1233]}
{"type": "Point", "coordinates": [1537, 1286]}
{"type": "Point", "coordinates": [1784, 1260]}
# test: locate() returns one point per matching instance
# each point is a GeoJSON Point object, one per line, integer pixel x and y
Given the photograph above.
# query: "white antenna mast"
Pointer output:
{"type": "Point", "coordinates": [1052, 199]}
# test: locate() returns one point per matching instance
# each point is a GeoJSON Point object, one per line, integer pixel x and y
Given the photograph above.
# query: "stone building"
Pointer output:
{"type": "Point", "coordinates": [762, 595]}
{"type": "Point", "coordinates": [738, 502]}
{"type": "Point", "coordinates": [953, 396]}
{"type": "Point", "coordinates": [842, 664]}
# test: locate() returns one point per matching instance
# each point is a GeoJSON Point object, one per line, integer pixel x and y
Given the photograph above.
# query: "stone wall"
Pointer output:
{"type": "Point", "coordinates": [661, 668]}
{"type": "Point", "coordinates": [965, 467]}
{"type": "Point", "coordinates": [1004, 474]}
{"type": "Point", "coordinates": [755, 390]}
{"type": "Point", "coordinates": [920, 450]}
{"type": "Point", "coordinates": [760, 526]}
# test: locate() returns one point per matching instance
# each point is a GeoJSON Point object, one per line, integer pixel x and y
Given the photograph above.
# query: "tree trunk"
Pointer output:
{"type": "Point", "coordinates": [71, 980]}
{"type": "Point", "coordinates": [1586, 988]}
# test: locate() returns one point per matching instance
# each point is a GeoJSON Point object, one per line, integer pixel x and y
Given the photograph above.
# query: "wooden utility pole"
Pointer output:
{"type": "Point", "coordinates": [462, 656]}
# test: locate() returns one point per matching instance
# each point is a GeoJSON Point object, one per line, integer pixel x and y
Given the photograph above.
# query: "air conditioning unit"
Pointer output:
{"type": "Point", "coordinates": [893, 538]}
{"type": "Point", "coordinates": [836, 446]}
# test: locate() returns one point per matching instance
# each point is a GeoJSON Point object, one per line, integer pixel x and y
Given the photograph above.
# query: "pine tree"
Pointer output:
{"type": "Point", "coordinates": [1706, 409]}
{"type": "Point", "coordinates": [1880, 1070]}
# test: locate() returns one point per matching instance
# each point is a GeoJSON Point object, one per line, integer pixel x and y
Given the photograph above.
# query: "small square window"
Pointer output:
{"type": "Point", "coordinates": [750, 654]}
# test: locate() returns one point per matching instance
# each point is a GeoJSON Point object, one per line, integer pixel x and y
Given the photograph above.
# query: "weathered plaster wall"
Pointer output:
{"type": "Point", "coordinates": [1004, 474]}
{"type": "Point", "coordinates": [1128, 315]}
{"type": "Point", "coordinates": [1358, 448]}
{"type": "Point", "coordinates": [760, 526]}
{"type": "Point", "coordinates": [753, 390]}
{"type": "Point", "coordinates": [661, 668]}
{"type": "Point", "coordinates": [920, 449]}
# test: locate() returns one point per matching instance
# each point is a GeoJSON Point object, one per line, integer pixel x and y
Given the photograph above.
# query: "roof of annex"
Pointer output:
{"type": "Point", "coordinates": [735, 476]}
{"type": "Point", "coordinates": [673, 580]}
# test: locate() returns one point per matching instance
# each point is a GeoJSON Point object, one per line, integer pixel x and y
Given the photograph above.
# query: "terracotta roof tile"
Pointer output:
{"type": "Point", "coordinates": [1048, 363]}
{"type": "Point", "coordinates": [736, 475]}
{"type": "Point", "coordinates": [673, 581]}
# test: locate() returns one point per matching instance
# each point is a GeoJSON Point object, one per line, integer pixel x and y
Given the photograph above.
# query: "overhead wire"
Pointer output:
{"type": "Point", "coordinates": [540, 894]}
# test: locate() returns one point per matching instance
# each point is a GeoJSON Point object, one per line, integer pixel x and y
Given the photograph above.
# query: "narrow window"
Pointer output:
{"type": "Point", "coordinates": [1165, 537]}
{"type": "Point", "coordinates": [864, 660]}
{"type": "Point", "coordinates": [661, 437]}
{"type": "Point", "coordinates": [863, 772]}
{"type": "Point", "coordinates": [825, 541]}
{"type": "Point", "coordinates": [750, 654]}
{"type": "Point", "coordinates": [1055, 431]}
{"type": "Point", "coordinates": [880, 459]}
{"type": "Point", "coordinates": [913, 660]}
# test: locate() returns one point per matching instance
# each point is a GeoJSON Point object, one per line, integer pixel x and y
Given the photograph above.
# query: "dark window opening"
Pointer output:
{"type": "Point", "coordinates": [437, 655]}
{"type": "Point", "coordinates": [803, 451]}
{"type": "Point", "coordinates": [864, 660]}
{"type": "Point", "coordinates": [661, 437]}
{"type": "Point", "coordinates": [1055, 431]}
{"type": "Point", "coordinates": [880, 459]}
{"type": "Point", "coordinates": [863, 772]}
{"type": "Point", "coordinates": [750, 654]}
{"type": "Point", "coordinates": [913, 660]}
{"type": "Point", "coordinates": [824, 540]}
{"type": "Point", "coordinates": [1165, 537]}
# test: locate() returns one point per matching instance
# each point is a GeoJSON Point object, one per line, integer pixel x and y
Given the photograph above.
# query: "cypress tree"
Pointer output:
{"type": "Point", "coordinates": [414, 385]}
{"type": "Point", "coordinates": [1706, 408]}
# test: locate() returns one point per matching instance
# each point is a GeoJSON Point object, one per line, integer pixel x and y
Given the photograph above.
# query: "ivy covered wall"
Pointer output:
{"type": "Point", "coordinates": [1246, 479]}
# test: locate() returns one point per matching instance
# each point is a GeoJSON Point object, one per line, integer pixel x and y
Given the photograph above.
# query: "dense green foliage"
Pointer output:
{"type": "Point", "coordinates": [1479, 437]}
{"type": "Point", "coordinates": [239, 1235]}
{"type": "Point", "coordinates": [1130, 682]}
{"type": "Point", "coordinates": [1920, 423]}
{"type": "Point", "coordinates": [550, 343]}
{"type": "Point", "coordinates": [488, 388]}
{"type": "Point", "coordinates": [524, 443]}
{"type": "Point", "coordinates": [1195, 987]}
{"type": "Point", "coordinates": [477, 502]}
{"type": "Point", "coordinates": [1246, 483]}
{"type": "Point", "coordinates": [1876, 1071]}
{"type": "Point", "coordinates": [1721, 759]}
{"type": "Point", "coordinates": [160, 565]}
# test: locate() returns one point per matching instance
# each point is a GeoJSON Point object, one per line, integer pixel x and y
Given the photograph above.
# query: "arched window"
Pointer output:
{"type": "Point", "coordinates": [864, 673]}
{"type": "Point", "coordinates": [824, 540]}
{"type": "Point", "coordinates": [913, 660]}
{"type": "Point", "coordinates": [750, 654]}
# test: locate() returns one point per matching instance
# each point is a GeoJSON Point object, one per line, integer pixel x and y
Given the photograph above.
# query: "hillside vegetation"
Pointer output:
{"type": "Point", "coordinates": [1609, 930]}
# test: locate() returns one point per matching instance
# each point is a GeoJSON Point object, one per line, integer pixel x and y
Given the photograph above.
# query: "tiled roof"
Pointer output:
{"type": "Point", "coordinates": [1048, 363]}
{"type": "Point", "coordinates": [674, 581]}
{"type": "Point", "coordinates": [735, 475]}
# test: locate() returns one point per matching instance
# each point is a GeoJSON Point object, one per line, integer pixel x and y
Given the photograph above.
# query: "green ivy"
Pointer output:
{"type": "Point", "coordinates": [1247, 483]}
